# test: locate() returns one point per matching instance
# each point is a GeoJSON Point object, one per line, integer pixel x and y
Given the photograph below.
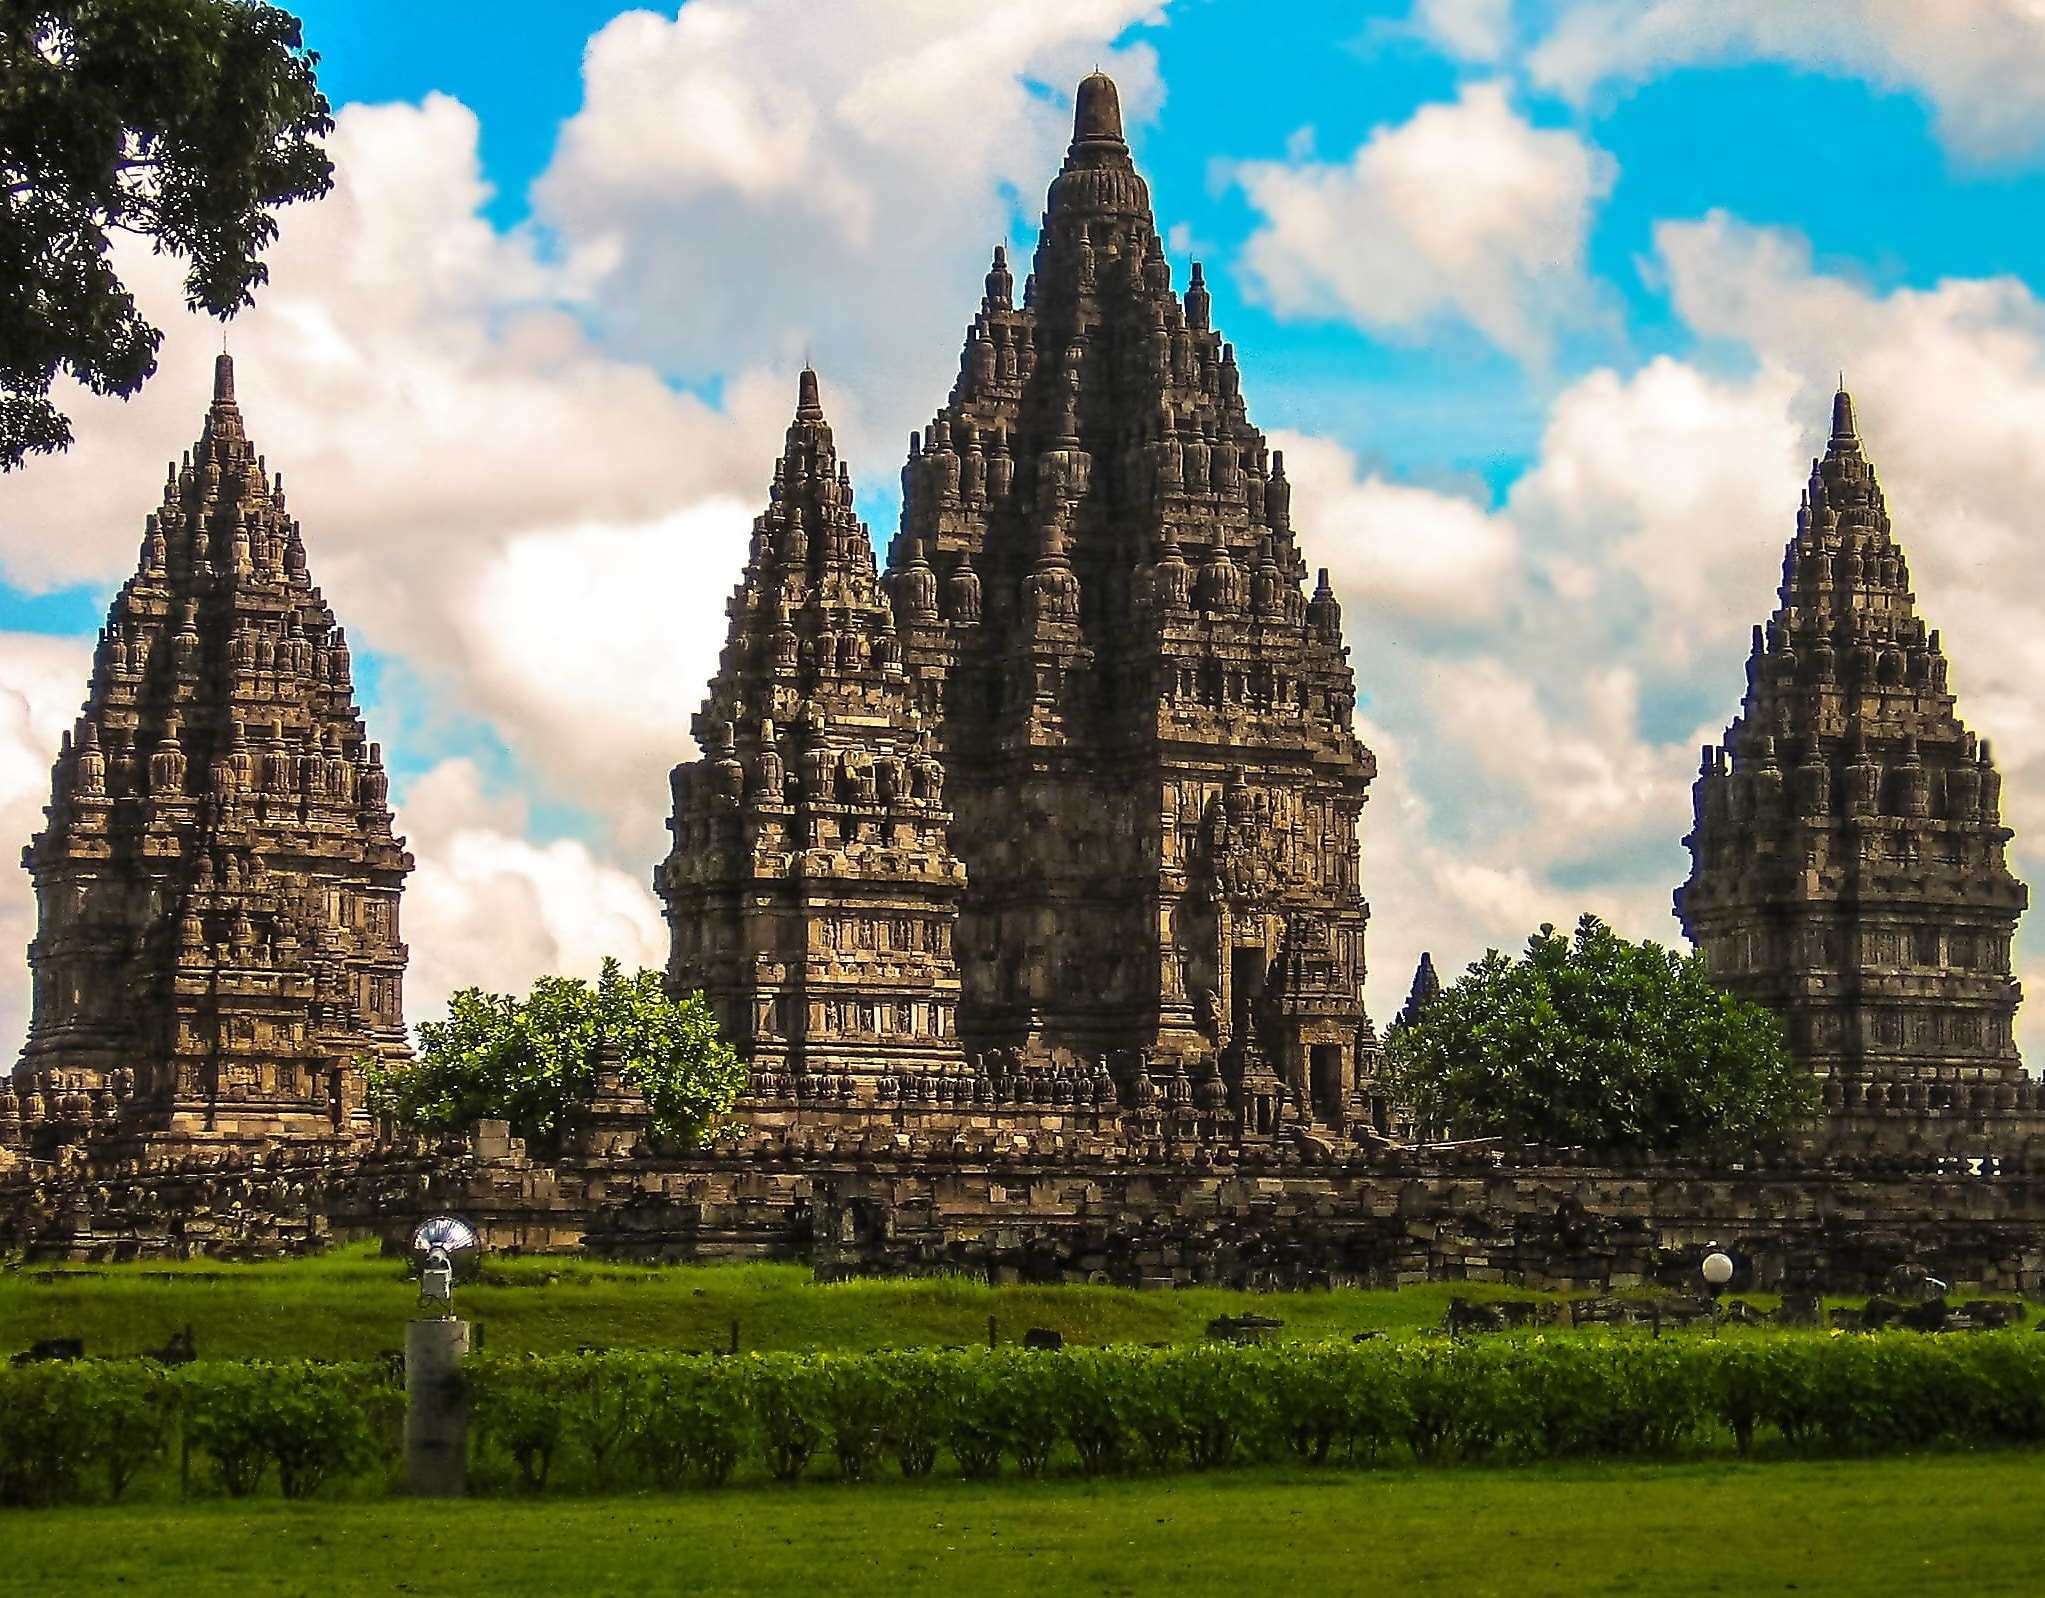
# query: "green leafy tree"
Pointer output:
{"type": "Point", "coordinates": [533, 1061]}
{"type": "Point", "coordinates": [186, 122]}
{"type": "Point", "coordinates": [1598, 1042]}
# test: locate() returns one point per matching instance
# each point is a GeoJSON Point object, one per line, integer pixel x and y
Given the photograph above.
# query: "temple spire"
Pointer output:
{"type": "Point", "coordinates": [1851, 836]}
{"type": "Point", "coordinates": [217, 790]}
{"type": "Point", "coordinates": [1425, 990]}
{"type": "Point", "coordinates": [808, 407]}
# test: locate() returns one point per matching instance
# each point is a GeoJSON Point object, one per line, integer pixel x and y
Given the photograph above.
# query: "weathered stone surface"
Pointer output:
{"type": "Point", "coordinates": [217, 884]}
{"type": "Point", "coordinates": [1265, 1219]}
{"type": "Point", "coordinates": [1849, 861]}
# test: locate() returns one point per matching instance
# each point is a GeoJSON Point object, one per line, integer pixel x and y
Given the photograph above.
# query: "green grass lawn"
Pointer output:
{"type": "Point", "coordinates": [353, 1304]}
{"type": "Point", "coordinates": [1970, 1525]}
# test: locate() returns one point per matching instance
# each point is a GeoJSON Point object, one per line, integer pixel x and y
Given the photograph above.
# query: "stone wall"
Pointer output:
{"type": "Point", "coordinates": [1058, 1208]}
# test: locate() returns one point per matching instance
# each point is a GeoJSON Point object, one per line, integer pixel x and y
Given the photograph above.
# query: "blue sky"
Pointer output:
{"type": "Point", "coordinates": [1545, 300]}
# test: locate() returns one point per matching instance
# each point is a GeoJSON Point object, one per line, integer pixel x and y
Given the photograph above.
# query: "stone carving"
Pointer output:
{"type": "Point", "coordinates": [217, 883]}
{"type": "Point", "coordinates": [1849, 862]}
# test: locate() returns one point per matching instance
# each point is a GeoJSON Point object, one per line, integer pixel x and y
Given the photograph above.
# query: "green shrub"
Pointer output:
{"type": "Point", "coordinates": [972, 1419]}
{"type": "Point", "coordinates": [1375, 1406]}
{"type": "Point", "coordinates": [1025, 1391]}
{"type": "Point", "coordinates": [855, 1397]}
{"type": "Point", "coordinates": [1218, 1398]}
{"type": "Point", "coordinates": [2006, 1374]}
{"type": "Point", "coordinates": [1309, 1399]}
{"type": "Point", "coordinates": [915, 1409]}
{"type": "Point", "coordinates": [135, 1413]}
{"type": "Point", "coordinates": [1093, 1386]}
{"type": "Point", "coordinates": [605, 1396]}
{"type": "Point", "coordinates": [43, 1433]}
{"type": "Point", "coordinates": [1153, 1411]}
{"type": "Point", "coordinates": [312, 1421]}
{"type": "Point", "coordinates": [787, 1396]}
{"type": "Point", "coordinates": [694, 1423]}
{"type": "Point", "coordinates": [520, 1406]}
{"type": "Point", "coordinates": [1462, 1398]}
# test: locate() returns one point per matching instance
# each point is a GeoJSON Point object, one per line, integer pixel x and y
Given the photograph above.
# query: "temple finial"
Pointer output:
{"type": "Point", "coordinates": [223, 379]}
{"type": "Point", "coordinates": [1097, 110]}
{"type": "Point", "coordinates": [1842, 415]}
{"type": "Point", "coordinates": [807, 405]}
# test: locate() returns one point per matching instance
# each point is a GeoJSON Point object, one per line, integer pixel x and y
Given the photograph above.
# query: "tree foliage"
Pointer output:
{"type": "Point", "coordinates": [1597, 1042]}
{"type": "Point", "coordinates": [533, 1061]}
{"type": "Point", "coordinates": [186, 122]}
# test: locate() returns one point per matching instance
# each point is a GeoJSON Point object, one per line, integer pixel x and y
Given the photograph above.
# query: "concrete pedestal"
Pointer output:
{"type": "Point", "coordinates": [436, 1409]}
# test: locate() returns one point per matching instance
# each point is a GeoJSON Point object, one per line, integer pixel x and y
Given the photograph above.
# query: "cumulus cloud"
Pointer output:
{"type": "Point", "coordinates": [1471, 30]}
{"type": "Point", "coordinates": [542, 533]}
{"type": "Point", "coordinates": [1466, 212]}
{"type": "Point", "coordinates": [1667, 494]}
{"type": "Point", "coordinates": [487, 907]}
{"type": "Point", "coordinates": [1435, 889]}
{"type": "Point", "coordinates": [861, 159]}
{"type": "Point", "coordinates": [42, 680]}
{"type": "Point", "coordinates": [453, 441]}
{"type": "Point", "coordinates": [1981, 63]}
{"type": "Point", "coordinates": [1425, 557]}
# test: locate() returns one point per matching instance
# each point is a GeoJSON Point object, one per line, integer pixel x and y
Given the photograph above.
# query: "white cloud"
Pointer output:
{"type": "Point", "coordinates": [1393, 549]}
{"type": "Point", "coordinates": [608, 699]}
{"type": "Point", "coordinates": [543, 532]}
{"type": "Point", "coordinates": [1465, 211]}
{"type": "Point", "coordinates": [862, 159]}
{"type": "Point", "coordinates": [1669, 493]}
{"type": "Point", "coordinates": [1981, 63]}
{"type": "Point", "coordinates": [486, 907]}
{"type": "Point", "coordinates": [1433, 890]}
{"type": "Point", "coordinates": [42, 681]}
{"type": "Point", "coordinates": [1471, 30]}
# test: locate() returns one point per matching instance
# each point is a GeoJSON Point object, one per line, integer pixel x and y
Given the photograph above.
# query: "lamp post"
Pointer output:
{"type": "Point", "coordinates": [436, 1407]}
{"type": "Point", "coordinates": [1718, 1270]}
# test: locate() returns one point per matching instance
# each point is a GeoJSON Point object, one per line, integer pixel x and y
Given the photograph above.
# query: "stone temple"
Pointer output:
{"type": "Point", "coordinates": [811, 893]}
{"type": "Point", "coordinates": [217, 884]}
{"type": "Point", "coordinates": [1077, 799]}
{"type": "Point", "coordinates": [1849, 859]}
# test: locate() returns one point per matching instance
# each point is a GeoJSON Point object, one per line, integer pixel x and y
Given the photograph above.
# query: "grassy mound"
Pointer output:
{"type": "Point", "coordinates": [352, 1304]}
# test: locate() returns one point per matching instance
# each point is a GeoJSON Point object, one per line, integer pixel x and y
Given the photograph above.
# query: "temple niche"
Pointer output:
{"type": "Point", "coordinates": [1849, 862]}
{"type": "Point", "coordinates": [811, 894]}
{"type": "Point", "coordinates": [217, 884]}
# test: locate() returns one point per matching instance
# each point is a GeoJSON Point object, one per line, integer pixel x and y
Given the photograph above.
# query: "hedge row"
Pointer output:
{"type": "Point", "coordinates": [70, 1431]}
{"type": "Point", "coordinates": [662, 1420]}
{"type": "Point", "coordinates": [87, 1428]}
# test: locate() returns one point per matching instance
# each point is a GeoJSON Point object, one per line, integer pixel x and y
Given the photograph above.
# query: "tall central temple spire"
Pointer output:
{"type": "Point", "coordinates": [1849, 861]}
{"type": "Point", "coordinates": [1146, 724]}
